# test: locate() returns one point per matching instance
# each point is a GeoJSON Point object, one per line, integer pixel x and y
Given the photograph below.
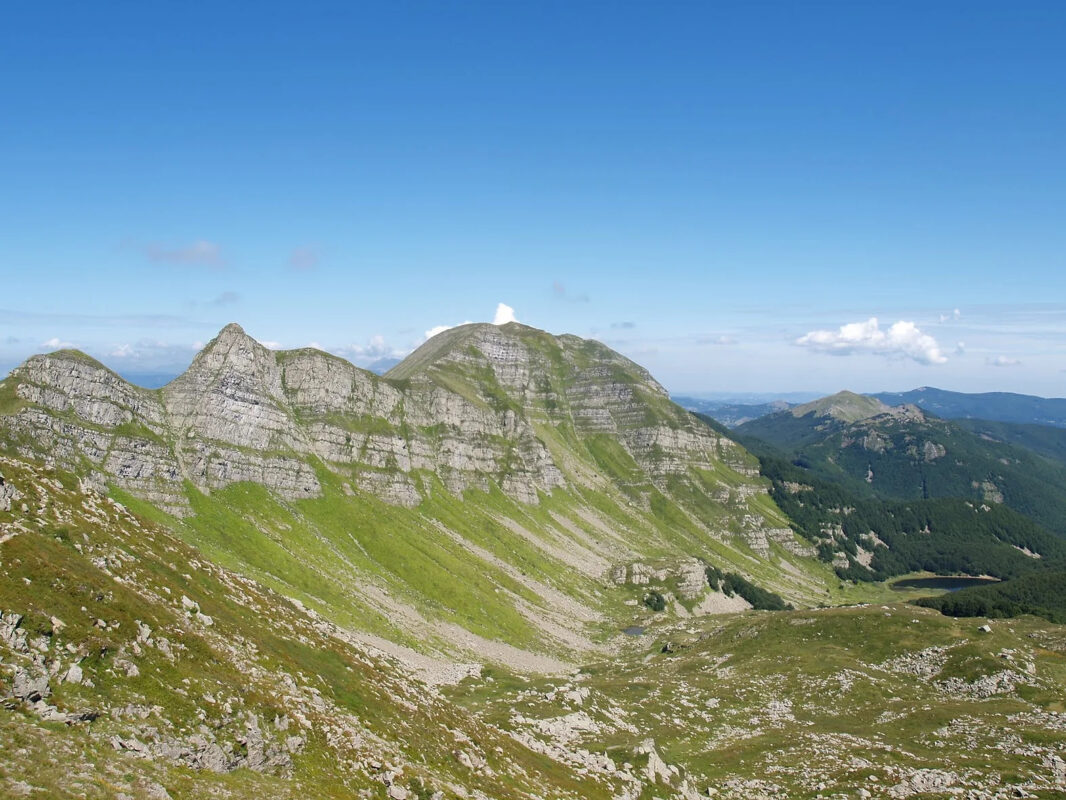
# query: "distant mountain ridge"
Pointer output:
{"type": "Point", "coordinates": [728, 413]}
{"type": "Point", "coordinates": [995, 406]}
{"type": "Point", "coordinates": [999, 406]}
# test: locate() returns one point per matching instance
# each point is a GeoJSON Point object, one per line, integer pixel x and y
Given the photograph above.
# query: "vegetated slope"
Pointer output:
{"type": "Point", "coordinates": [132, 666]}
{"type": "Point", "coordinates": [904, 453]}
{"type": "Point", "coordinates": [487, 499]}
{"type": "Point", "coordinates": [1041, 593]}
{"type": "Point", "coordinates": [1043, 439]}
{"type": "Point", "coordinates": [1000, 406]}
{"type": "Point", "coordinates": [872, 539]}
{"type": "Point", "coordinates": [890, 700]}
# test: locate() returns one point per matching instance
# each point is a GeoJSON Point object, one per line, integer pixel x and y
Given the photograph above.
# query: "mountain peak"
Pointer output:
{"type": "Point", "coordinates": [844, 406]}
{"type": "Point", "coordinates": [232, 329]}
{"type": "Point", "coordinates": [231, 334]}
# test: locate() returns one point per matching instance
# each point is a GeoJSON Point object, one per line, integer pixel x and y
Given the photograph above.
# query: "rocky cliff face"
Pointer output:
{"type": "Point", "coordinates": [465, 409]}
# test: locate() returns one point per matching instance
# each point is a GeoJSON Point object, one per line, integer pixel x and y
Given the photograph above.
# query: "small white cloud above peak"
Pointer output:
{"type": "Point", "coordinates": [504, 314]}
{"type": "Point", "coordinates": [56, 343]}
{"type": "Point", "coordinates": [902, 340]}
{"type": "Point", "coordinates": [269, 345]}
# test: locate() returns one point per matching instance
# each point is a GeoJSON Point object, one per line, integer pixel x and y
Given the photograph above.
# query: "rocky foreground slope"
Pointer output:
{"type": "Point", "coordinates": [133, 667]}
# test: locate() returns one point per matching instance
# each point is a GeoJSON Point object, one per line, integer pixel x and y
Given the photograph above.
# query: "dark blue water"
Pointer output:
{"type": "Point", "coordinates": [949, 582]}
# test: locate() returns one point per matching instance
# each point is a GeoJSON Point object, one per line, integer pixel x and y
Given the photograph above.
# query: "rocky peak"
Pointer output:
{"type": "Point", "coordinates": [474, 405]}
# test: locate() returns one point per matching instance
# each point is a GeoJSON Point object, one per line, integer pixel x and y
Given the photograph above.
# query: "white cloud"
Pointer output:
{"type": "Point", "coordinates": [718, 340]}
{"type": "Point", "coordinates": [55, 343]}
{"type": "Point", "coordinates": [1002, 361]}
{"type": "Point", "coordinates": [374, 350]}
{"type": "Point", "coordinates": [504, 314]}
{"type": "Point", "coordinates": [269, 345]}
{"type": "Point", "coordinates": [902, 340]}
{"type": "Point", "coordinates": [954, 315]}
{"type": "Point", "coordinates": [198, 253]}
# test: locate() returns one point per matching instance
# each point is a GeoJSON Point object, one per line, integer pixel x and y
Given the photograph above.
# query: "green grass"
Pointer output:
{"type": "Point", "coordinates": [10, 402]}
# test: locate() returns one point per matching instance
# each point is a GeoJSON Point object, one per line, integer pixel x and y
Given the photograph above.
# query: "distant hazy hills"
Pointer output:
{"type": "Point", "coordinates": [731, 413]}
{"type": "Point", "coordinates": [996, 406]}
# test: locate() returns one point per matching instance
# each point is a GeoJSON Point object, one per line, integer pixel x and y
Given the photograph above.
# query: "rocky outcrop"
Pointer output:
{"type": "Point", "coordinates": [8, 495]}
{"type": "Point", "coordinates": [468, 410]}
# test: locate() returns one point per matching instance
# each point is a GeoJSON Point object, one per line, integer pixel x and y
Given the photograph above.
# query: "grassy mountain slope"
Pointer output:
{"type": "Point", "coordinates": [131, 664]}
{"type": "Point", "coordinates": [1043, 439]}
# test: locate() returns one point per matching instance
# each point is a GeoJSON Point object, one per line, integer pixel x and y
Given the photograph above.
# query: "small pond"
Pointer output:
{"type": "Point", "coordinates": [950, 582]}
{"type": "Point", "coordinates": [633, 630]}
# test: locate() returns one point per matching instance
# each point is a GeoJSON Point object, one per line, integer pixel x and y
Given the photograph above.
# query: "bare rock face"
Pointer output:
{"type": "Point", "coordinates": [83, 417]}
{"type": "Point", "coordinates": [8, 494]}
{"type": "Point", "coordinates": [471, 408]}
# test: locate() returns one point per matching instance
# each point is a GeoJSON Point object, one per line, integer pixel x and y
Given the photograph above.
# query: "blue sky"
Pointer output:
{"type": "Point", "coordinates": [727, 193]}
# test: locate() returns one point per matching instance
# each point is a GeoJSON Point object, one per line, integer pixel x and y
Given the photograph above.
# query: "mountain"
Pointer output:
{"type": "Point", "coordinates": [498, 496]}
{"type": "Point", "coordinates": [280, 575]}
{"type": "Point", "coordinates": [902, 452]}
{"type": "Point", "coordinates": [999, 406]}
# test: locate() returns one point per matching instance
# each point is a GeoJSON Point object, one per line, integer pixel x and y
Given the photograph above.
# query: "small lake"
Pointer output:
{"type": "Point", "coordinates": [951, 583]}
{"type": "Point", "coordinates": [633, 630]}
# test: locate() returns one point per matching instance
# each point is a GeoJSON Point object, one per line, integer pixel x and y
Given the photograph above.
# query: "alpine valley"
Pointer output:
{"type": "Point", "coordinates": [512, 567]}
